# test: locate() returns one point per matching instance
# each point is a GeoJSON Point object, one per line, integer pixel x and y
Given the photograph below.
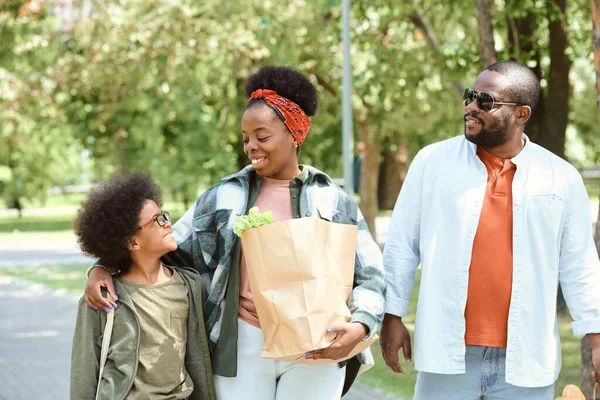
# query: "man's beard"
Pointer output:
{"type": "Point", "coordinates": [494, 136]}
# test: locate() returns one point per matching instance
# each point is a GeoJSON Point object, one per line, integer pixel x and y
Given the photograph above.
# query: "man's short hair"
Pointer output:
{"type": "Point", "coordinates": [524, 83]}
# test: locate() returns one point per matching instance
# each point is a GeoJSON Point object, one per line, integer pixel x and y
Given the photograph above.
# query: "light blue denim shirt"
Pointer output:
{"type": "Point", "coordinates": [434, 224]}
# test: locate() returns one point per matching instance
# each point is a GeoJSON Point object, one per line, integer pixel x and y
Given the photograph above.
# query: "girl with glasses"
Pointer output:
{"type": "Point", "coordinates": [159, 348]}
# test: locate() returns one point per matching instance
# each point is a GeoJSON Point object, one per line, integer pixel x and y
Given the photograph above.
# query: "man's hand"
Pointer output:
{"type": "Point", "coordinates": [347, 336]}
{"type": "Point", "coordinates": [594, 339]}
{"type": "Point", "coordinates": [98, 278]}
{"type": "Point", "coordinates": [395, 336]}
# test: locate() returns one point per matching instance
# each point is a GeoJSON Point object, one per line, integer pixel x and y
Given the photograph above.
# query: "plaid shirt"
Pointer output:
{"type": "Point", "coordinates": [207, 242]}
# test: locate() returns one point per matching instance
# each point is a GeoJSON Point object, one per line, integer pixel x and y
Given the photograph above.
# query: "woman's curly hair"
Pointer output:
{"type": "Point", "coordinates": [109, 217]}
{"type": "Point", "coordinates": [288, 83]}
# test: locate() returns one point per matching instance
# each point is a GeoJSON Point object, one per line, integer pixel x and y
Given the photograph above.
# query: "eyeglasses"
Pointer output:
{"type": "Point", "coordinates": [161, 220]}
{"type": "Point", "coordinates": [485, 101]}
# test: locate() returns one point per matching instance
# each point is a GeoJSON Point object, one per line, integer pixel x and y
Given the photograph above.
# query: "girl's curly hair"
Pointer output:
{"type": "Point", "coordinates": [109, 217]}
{"type": "Point", "coordinates": [288, 83]}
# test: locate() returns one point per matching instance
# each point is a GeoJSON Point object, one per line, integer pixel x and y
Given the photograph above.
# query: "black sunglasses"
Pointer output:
{"type": "Point", "coordinates": [485, 101]}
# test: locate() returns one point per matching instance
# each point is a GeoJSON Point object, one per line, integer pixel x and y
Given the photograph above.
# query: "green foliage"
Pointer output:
{"type": "Point", "coordinates": [37, 148]}
{"type": "Point", "coordinates": [160, 86]}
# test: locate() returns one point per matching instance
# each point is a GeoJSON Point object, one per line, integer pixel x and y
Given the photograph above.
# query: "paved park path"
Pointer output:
{"type": "Point", "coordinates": [35, 341]}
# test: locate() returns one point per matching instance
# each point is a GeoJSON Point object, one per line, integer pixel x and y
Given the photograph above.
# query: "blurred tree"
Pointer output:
{"type": "Point", "coordinates": [144, 84]}
{"type": "Point", "coordinates": [36, 146]}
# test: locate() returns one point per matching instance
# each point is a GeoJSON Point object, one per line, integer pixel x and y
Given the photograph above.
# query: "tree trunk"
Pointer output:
{"type": "Point", "coordinates": [15, 200]}
{"type": "Point", "coordinates": [486, 31]}
{"type": "Point", "coordinates": [187, 201]}
{"type": "Point", "coordinates": [369, 176]}
{"type": "Point", "coordinates": [392, 172]}
{"type": "Point", "coordinates": [521, 48]}
{"type": "Point", "coordinates": [587, 384]}
{"type": "Point", "coordinates": [124, 161]}
{"type": "Point", "coordinates": [557, 105]}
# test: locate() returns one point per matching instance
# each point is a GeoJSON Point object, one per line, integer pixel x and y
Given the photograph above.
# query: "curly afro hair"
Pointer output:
{"type": "Point", "coordinates": [109, 217]}
{"type": "Point", "coordinates": [288, 83]}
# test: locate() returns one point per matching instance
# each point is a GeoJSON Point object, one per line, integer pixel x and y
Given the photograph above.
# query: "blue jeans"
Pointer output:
{"type": "Point", "coordinates": [484, 379]}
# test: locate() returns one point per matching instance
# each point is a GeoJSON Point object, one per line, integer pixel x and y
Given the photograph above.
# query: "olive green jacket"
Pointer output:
{"type": "Point", "coordinates": [122, 361]}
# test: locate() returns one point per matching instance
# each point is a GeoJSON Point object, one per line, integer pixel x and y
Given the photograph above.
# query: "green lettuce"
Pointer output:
{"type": "Point", "coordinates": [254, 219]}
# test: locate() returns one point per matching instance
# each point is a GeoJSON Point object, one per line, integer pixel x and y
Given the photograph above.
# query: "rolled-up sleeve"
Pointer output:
{"type": "Point", "coordinates": [579, 271]}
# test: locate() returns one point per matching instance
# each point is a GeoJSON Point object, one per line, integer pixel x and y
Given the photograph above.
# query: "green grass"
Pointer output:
{"type": "Point", "coordinates": [51, 223]}
{"type": "Point", "coordinates": [382, 378]}
{"type": "Point", "coordinates": [70, 277]}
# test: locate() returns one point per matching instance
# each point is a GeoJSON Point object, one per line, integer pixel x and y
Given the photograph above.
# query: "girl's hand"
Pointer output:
{"type": "Point", "coordinates": [347, 336]}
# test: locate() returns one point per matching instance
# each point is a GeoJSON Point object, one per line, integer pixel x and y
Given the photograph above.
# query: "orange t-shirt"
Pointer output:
{"type": "Point", "coordinates": [490, 274]}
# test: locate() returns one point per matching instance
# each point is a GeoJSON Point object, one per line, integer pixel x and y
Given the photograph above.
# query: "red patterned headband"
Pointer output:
{"type": "Point", "coordinates": [290, 113]}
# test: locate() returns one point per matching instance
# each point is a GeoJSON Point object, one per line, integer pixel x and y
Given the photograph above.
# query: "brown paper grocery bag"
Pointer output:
{"type": "Point", "coordinates": [301, 273]}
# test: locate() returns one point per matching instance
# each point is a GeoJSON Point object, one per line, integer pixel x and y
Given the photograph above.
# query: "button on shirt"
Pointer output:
{"type": "Point", "coordinates": [434, 224]}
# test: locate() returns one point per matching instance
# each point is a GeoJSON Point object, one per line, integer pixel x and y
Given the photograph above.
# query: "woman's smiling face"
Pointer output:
{"type": "Point", "coordinates": [269, 144]}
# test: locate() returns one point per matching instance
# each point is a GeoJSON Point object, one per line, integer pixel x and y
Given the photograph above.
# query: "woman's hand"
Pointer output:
{"type": "Point", "coordinates": [98, 278]}
{"type": "Point", "coordinates": [347, 336]}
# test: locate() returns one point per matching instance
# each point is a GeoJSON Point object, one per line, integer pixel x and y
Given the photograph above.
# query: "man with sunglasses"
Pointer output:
{"type": "Point", "coordinates": [495, 221]}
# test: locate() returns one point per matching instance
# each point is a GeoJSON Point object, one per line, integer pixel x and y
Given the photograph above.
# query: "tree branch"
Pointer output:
{"type": "Point", "coordinates": [417, 19]}
{"type": "Point", "coordinates": [323, 82]}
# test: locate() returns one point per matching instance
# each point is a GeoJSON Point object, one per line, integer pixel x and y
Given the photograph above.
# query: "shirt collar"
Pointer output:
{"type": "Point", "coordinates": [303, 176]}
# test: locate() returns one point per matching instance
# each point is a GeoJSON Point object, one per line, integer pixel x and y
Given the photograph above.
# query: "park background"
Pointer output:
{"type": "Point", "coordinates": [89, 88]}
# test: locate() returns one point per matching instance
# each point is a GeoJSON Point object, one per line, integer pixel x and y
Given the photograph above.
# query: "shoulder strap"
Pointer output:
{"type": "Point", "coordinates": [105, 344]}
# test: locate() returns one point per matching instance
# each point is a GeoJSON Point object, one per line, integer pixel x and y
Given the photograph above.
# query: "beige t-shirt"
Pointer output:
{"type": "Point", "coordinates": [162, 311]}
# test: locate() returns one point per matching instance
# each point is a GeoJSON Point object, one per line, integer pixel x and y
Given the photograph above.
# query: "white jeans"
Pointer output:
{"type": "Point", "coordinates": [265, 379]}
